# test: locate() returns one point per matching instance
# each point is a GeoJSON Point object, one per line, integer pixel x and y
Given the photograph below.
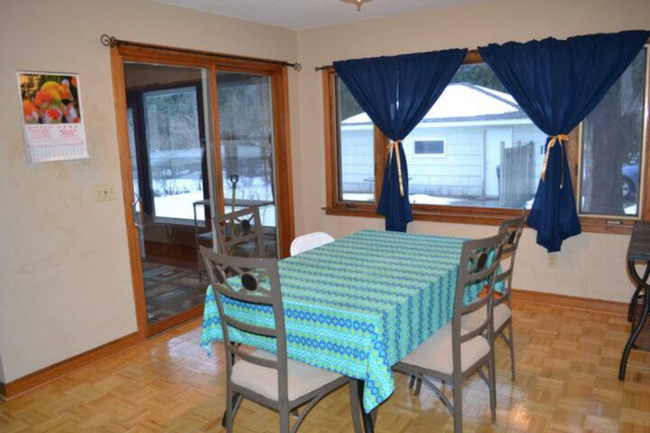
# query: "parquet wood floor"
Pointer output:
{"type": "Point", "coordinates": [567, 363]}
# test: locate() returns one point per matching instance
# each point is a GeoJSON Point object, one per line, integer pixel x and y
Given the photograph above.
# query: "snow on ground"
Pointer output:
{"type": "Point", "coordinates": [415, 198]}
{"type": "Point", "coordinates": [179, 206]}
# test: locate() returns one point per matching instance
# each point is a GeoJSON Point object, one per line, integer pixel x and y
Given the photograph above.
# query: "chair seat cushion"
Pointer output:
{"type": "Point", "coordinates": [475, 319]}
{"type": "Point", "coordinates": [435, 353]}
{"type": "Point", "coordinates": [302, 378]}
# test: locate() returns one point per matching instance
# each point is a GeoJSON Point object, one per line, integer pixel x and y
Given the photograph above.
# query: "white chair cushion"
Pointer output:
{"type": "Point", "coordinates": [309, 242]}
{"type": "Point", "coordinates": [303, 378]}
{"type": "Point", "coordinates": [475, 319]}
{"type": "Point", "coordinates": [435, 353]}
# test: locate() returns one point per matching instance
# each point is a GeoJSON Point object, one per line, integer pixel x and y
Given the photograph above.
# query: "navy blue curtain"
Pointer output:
{"type": "Point", "coordinates": [558, 83]}
{"type": "Point", "coordinates": [396, 93]}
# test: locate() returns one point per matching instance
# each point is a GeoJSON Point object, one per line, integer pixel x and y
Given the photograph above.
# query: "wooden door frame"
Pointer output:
{"type": "Point", "coordinates": [282, 154]}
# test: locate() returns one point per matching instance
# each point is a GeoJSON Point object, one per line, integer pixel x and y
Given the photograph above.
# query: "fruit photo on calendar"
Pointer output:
{"type": "Point", "coordinates": [49, 99]}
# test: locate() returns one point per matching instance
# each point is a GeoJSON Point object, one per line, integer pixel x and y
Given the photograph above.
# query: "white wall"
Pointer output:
{"type": "Point", "coordinates": [65, 283]}
{"type": "Point", "coordinates": [590, 265]}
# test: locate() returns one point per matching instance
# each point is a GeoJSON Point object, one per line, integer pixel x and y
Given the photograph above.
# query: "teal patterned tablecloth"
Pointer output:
{"type": "Point", "coordinates": [358, 305]}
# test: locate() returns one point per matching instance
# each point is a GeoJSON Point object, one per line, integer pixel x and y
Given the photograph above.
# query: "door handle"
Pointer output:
{"type": "Point", "coordinates": [134, 212]}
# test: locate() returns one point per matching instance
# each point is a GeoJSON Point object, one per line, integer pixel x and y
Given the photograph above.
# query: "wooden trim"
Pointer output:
{"type": "Point", "coordinates": [218, 163]}
{"type": "Point", "coordinates": [205, 59]}
{"type": "Point", "coordinates": [574, 302]}
{"type": "Point", "coordinates": [331, 160]}
{"type": "Point", "coordinates": [56, 371]}
{"type": "Point", "coordinates": [128, 195]}
{"type": "Point", "coordinates": [187, 315]}
{"type": "Point", "coordinates": [284, 177]}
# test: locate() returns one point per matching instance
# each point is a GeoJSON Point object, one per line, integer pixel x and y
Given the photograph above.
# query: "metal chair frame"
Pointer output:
{"type": "Point", "coordinates": [240, 227]}
{"type": "Point", "coordinates": [218, 267]}
{"type": "Point", "coordinates": [474, 269]}
{"type": "Point", "coordinates": [512, 229]}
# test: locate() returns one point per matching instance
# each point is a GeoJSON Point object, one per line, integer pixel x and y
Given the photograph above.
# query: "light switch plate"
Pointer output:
{"type": "Point", "coordinates": [104, 192]}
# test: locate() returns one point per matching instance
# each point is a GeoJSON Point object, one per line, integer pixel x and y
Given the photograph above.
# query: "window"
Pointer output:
{"type": "Point", "coordinates": [476, 157]}
{"type": "Point", "coordinates": [356, 165]}
{"type": "Point", "coordinates": [175, 151]}
{"type": "Point", "coordinates": [612, 138]}
{"type": "Point", "coordinates": [429, 147]}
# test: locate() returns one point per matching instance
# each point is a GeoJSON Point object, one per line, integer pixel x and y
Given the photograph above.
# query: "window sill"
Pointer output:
{"type": "Point", "coordinates": [488, 216]}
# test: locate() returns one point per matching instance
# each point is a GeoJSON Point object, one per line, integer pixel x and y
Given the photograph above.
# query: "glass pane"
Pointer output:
{"type": "Point", "coordinates": [356, 148]}
{"type": "Point", "coordinates": [612, 143]}
{"type": "Point", "coordinates": [175, 151]}
{"type": "Point", "coordinates": [247, 147]}
{"type": "Point", "coordinates": [166, 115]}
{"type": "Point", "coordinates": [429, 147]}
{"type": "Point", "coordinates": [475, 147]}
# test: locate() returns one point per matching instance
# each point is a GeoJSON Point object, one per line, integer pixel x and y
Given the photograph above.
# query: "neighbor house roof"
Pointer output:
{"type": "Point", "coordinates": [463, 102]}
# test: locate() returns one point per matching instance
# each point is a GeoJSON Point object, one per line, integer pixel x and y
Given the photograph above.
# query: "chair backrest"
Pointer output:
{"type": "Point", "coordinates": [512, 229]}
{"type": "Point", "coordinates": [309, 241]}
{"type": "Point", "coordinates": [240, 233]}
{"type": "Point", "coordinates": [479, 263]}
{"type": "Point", "coordinates": [249, 272]}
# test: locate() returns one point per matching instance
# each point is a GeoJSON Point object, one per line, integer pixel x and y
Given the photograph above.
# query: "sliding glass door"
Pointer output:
{"type": "Point", "coordinates": [247, 147]}
{"type": "Point", "coordinates": [170, 164]}
{"type": "Point", "coordinates": [200, 136]}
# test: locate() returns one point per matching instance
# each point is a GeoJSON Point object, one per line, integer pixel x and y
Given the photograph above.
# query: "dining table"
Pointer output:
{"type": "Point", "coordinates": [355, 306]}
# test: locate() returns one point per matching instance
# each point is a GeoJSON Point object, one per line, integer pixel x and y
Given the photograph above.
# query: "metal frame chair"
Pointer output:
{"type": "Point", "coordinates": [512, 229]}
{"type": "Point", "coordinates": [271, 380]}
{"type": "Point", "coordinates": [240, 228]}
{"type": "Point", "coordinates": [479, 263]}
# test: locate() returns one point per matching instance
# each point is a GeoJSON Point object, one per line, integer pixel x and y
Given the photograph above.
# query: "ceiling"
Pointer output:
{"type": "Point", "coordinates": [309, 14]}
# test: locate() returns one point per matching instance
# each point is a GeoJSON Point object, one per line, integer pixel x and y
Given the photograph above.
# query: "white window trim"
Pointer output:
{"type": "Point", "coordinates": [429, 155]}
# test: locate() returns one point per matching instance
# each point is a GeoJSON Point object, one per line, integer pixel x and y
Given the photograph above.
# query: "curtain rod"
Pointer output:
{"type": "Point", "coordinates": [112, 41]}
{"type": "Point", "coordinates": [470, 53]}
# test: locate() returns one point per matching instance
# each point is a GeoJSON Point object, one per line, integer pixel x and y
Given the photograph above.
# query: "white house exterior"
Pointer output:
{"type": "Point", "coordinates": [456, 150]}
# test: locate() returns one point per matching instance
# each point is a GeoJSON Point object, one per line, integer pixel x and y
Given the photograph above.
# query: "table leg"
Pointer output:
{"type": "Point", "coordinates": [635, 297]}
{"type": "Point", "coordinates": [635, 333]}
{"type": "Point", "coordinates": [367, 418]}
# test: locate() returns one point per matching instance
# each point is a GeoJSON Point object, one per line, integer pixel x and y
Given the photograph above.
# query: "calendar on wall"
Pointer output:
{"type": "Point", "coordinates": [53, 124]}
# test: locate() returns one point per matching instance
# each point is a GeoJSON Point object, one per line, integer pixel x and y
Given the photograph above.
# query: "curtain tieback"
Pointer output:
{"type": "Point", "coordinates": [559, 139]}
{"type": "Point", "coordinates": [393, 146]}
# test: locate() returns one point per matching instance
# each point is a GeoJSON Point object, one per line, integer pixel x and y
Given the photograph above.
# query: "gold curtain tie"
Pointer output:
{"type": "Point", "coordinates": [393, 146]}
{"type": "Point", "coordinates": [559, 139]}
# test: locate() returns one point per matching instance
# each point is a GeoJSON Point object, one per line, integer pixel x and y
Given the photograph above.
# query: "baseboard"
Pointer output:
{"type": "Point", "coordinates": [56, 371]}
{"type": "Point", "coordinates": [575, 302]}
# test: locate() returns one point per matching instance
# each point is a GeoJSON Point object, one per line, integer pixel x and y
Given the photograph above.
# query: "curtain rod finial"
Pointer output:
{"type": "Point", "coordinates": [109, 41]}
{"type": "Point", "coordinates": [297, 66]}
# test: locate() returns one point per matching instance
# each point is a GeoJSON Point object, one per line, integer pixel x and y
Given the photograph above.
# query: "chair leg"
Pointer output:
{"type": "Point", "coordinates": [229, 411]}
{"type": "Point", "coordinates": [411, 381]}
{"type": "Point", "coordinates": [355, 406]}
{"type": "Point", "coordinates": [418, 386]}
{"type": "Point", "coordinates": [493, 387]}
{"type": "Point", "coordinates": [284, 420]}
{"type": "Point", "coordinates": [512, 350]}
{"type": "Point", "coordinates": [458, 402]}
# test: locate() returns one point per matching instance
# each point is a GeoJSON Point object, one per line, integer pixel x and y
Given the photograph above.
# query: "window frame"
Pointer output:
{"type": "Point", "coordinates": [467, 214]}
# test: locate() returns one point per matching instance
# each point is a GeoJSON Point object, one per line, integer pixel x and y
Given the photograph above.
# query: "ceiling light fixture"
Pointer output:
{"type": "Point", "coordinates": [357, 3]}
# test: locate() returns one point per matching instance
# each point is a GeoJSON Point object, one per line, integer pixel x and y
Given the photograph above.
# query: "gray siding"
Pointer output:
{"type": "Point", "coordinates": [459, 173]}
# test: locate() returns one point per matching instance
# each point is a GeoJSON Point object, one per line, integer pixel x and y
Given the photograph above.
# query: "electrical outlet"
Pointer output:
{"type": "Point", "coordinates": [104, 192]}
{"type": "Point", "coordinates": [552, 260]}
